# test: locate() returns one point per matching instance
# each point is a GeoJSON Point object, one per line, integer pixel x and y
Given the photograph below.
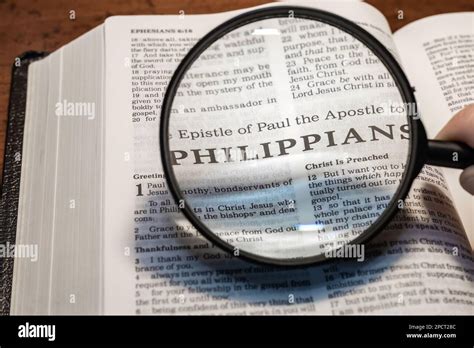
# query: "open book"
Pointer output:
{"type": "Point", "coordinates": [110, 240]}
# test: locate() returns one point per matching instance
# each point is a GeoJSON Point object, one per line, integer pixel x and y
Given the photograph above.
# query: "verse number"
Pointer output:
{"type": "Point", "coordinates": [294, 88]}
{"type": "Point", "coordinates": [290, 63]}
{"type": "Point", "coordinates": [139, 189]}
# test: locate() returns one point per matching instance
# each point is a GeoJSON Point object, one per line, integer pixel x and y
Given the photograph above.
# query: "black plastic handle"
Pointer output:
{"type": "Point", "coordinates": [449, 154]}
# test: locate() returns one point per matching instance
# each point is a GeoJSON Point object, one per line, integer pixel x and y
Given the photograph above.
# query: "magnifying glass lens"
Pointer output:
{"type": "Point", "coordinates": [288, 139]}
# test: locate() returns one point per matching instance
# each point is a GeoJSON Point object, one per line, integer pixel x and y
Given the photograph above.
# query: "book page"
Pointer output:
{"type": "Point", "coordinates": [60, 206]}
{"type": "Point", "coordinates": [156, 263]}
{"type": "Point", "coordinates": [437, 54]}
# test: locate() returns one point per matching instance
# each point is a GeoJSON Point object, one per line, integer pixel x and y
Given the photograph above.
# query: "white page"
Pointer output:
{"type": "Point", "coordinates": [60, 193]}
{"type": "Point", "coordinates": [435, 111]}
{"type": "Point", "coordinates": [395, 282]}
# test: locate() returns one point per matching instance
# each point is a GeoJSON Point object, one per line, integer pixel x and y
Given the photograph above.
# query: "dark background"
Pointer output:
{"type": "Point", "coordinates": [44, 25]}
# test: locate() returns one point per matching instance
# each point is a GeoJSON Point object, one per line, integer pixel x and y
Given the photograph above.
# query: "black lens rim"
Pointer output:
{"type": "Point", "coordinates": [417, 141]}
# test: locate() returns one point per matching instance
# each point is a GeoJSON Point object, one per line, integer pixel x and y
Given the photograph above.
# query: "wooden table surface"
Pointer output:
{"type": "Point", "coordinates": [45, 25]}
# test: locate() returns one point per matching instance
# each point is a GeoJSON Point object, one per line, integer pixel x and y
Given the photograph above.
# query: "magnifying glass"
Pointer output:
{"type": "Point", "coordinates": [289, 133]}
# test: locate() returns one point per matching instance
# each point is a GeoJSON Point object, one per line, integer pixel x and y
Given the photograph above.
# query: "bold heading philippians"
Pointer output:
{"type": "Point", "coordinates": [291, 145]}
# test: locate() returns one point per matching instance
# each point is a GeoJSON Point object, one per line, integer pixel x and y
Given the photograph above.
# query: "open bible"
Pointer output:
{"type": "Point", "coordinates": [110, 239]}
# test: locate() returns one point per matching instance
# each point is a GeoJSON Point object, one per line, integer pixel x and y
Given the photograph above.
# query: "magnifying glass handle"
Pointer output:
{"type": "Point", "coordinates": [449, 154]}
